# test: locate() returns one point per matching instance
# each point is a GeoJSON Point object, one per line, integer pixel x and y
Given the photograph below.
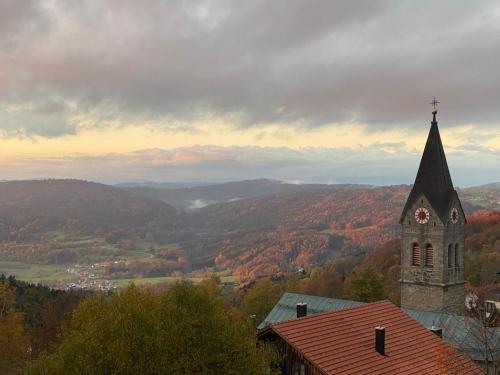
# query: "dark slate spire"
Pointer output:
{"type": "Point", "coordinates": [433, 177]}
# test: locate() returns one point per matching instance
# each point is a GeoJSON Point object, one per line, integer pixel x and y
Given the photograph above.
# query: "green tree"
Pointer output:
{"type": "Point", "coordinates": [13, 342]}
{"type": "Point", "coordinates": [365, 285]}
{"type": "Point", "coordinates": [294, 283]}
{"type": "Point", "coordinates": [482, 267]}
{"type": "Point", "coordinates": [325, 282]}
{"type": "Point", "coordinates": [392, 286]}
{"type": "Point", "coordinates": [181, 331]}
{"type": "Point", "coordinates": [54, 314]}
{"type": "Point", "coordinates": [211, 284]}
{"type": "Point", "coordinates": [260, 300]}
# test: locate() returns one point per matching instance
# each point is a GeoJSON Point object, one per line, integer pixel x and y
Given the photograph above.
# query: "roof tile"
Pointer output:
{"type": "Point", "coordinates": [343, 342]}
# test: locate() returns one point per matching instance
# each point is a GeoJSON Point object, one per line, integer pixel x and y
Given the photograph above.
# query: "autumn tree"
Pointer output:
{"type": "Point", "coordinates": [138, 331]}
{"type": "Point", "coordinates": [385, 256]}
{"type": "Point", "coordinates": [127, 244]}
{"type": "Point", "coordinates": [13, 342]}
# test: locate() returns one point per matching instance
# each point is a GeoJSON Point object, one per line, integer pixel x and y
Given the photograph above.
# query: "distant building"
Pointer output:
{"type": "Point", "coordinates": [375, 338]}
{"type": "Point", "coordinates": [432, 246]}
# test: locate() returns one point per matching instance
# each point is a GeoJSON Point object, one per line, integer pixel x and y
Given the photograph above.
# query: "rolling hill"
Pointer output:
{"type": "Point", "coordinates": [261, 236]}
{"type": "Point", "coordinates": [265, 235]}
{"type": "Point", "coordinates": [194, 197]}
{"type": "Point", "coordinates": [31, 207]}
{"type": "Point", "coordinates": [271, 227]}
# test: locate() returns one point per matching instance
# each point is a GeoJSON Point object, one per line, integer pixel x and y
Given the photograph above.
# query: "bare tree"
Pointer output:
{"type": "Point", "coordinates": [477, 333]}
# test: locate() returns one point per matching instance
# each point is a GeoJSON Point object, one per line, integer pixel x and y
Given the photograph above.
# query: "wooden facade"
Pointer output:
{"type": "Point", "coordinates": [293, 361]}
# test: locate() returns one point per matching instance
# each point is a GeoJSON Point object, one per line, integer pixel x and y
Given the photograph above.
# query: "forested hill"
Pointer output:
{"type": "Point", "coordinates": [252, 237]}
{"type": "Point", "coordinates": [264, 235]}
{"type": "Point", "coordinates": [27, 207]}
{"type": "Point", "coordinates": [200, 196]}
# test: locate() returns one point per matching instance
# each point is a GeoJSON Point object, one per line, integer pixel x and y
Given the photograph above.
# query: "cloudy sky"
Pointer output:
{"type": "Point", "coordinates": [313, 91]}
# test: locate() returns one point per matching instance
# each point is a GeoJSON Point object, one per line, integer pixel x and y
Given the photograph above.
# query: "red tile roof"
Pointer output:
{"type": "Point", "coordinates": [343, 342]}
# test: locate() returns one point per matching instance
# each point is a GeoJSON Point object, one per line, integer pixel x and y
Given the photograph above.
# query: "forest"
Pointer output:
{"type": "Point", "coordinates": [47, 329]}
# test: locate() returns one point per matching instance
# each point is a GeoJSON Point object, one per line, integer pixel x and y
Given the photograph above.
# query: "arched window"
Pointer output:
{"type": "Point", "coordinates": [429, 255]}
{"type": "Point", "coordinates": [457, 258]}
{"type": "Point", "coordinates": [450, 256]}
{"type": "Point", "coordinates": [416, 254]}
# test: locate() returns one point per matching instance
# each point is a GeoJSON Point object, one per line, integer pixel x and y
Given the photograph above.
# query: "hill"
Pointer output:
{"type": "Point", "coordinates": [194, 197]}
{"type": "Point", "coordinates": [28, 208]}
{"type": "Point", "coordinates": [485, 196]}
{"type": "Point", "coordinates": [67, 222]}
{"type": "Point", "coordinates": [285, 231]}
{"type": "Point", "coordinates": [261, 236]}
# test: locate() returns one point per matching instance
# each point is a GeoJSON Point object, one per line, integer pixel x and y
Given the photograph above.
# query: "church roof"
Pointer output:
{"type": "Point", "coordinates": [433, 177]}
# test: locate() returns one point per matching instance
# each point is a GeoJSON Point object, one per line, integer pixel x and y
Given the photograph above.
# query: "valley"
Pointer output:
{"type": "Point", "coordinates": [77, 234]}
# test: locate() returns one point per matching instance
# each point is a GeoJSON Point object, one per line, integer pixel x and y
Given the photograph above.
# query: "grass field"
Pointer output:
{"type": "Point", "coordinates": [86, 250]}
{"type": "Point", "coordinates": [106, 251]}
{"type": "Point", "coordinates": [121, 283]}
{"type": "Point", "coordinates": [53, 275]}
{"type": "Point", "coordinates": [35, 273]}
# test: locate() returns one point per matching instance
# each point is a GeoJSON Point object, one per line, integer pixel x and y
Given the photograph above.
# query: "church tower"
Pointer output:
{"type": "Point", "coordinates": [432, 246]}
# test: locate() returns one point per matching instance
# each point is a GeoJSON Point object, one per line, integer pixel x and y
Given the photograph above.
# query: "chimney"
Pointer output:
{"type": "Point", "coordinates": [380, 339]}
{"type": "Point", "coordinates": [301, 309]}
{"type": "Point", "coordinates": [437, 331]}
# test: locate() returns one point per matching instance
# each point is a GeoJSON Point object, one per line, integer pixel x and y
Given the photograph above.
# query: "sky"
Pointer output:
{"type": "Point", "coordinates": [212, 91]}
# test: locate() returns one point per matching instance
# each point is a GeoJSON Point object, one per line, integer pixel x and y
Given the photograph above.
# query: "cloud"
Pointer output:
{"type": "Point", "coordinates": [20, 20]}
{"type": "Point", "coordinates": [301, 64]}
{"type": "Point", "coordinates": [374, 164]}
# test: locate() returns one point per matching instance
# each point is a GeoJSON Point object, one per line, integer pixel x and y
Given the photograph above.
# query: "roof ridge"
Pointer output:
{"type": "Point", "coordinates": [366, 304]}
{"type": "Point", "coordinates": [327, 298]}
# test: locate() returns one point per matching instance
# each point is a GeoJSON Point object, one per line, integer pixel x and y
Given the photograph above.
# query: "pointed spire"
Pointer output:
{"type": "Point", "coordinates": [433, 174]}
{"type": "Point", "coordinates": [433, 177]}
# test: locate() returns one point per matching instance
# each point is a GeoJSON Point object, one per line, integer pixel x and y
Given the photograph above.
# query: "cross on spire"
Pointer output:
{"type": "Point", "coordinates": [434, 109]}
{"type": "Point", "coordinates": [434, 103]}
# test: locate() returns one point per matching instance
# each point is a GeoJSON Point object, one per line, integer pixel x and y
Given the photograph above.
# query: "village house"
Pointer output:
{"type": "Point", "coordinates": [374, 338]}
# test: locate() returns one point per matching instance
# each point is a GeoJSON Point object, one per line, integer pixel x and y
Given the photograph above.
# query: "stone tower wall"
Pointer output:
{"type": "Point", "coordinates": [438, 287]}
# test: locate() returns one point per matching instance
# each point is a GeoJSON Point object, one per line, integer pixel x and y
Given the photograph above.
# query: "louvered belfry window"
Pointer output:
{"type": "Point", "coordinates": [429, 255]}
{"type": "Point", "coordinates": [416, 254]}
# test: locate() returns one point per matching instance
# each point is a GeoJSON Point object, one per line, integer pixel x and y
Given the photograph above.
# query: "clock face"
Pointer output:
{"type": "Point", "coordinates": [454, 215]}
{"type": "Point", "coordinates": [422, 215]}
